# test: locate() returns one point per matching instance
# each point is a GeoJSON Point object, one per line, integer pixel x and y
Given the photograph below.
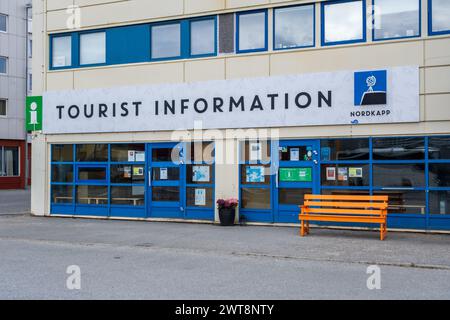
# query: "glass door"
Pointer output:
{"type": "Point", "coordinates": [165, 183]}
{"type": "Point", "coordinates": [297, 174]}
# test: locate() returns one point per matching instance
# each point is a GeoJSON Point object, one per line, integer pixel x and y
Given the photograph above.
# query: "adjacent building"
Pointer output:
{"type": "Point", "coordinates": [155, 110]}
{"type": "Point", "coordinates": [15, 85]}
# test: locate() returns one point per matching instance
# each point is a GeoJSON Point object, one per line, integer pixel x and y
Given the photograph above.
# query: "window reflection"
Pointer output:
{"type": "Point", "coordinates": [395, 19]}
{"type": "Point", "coordinates": [93, 48]}
{"type": "Point", "coordinates": [166, 41]}
{"type": "Point", "coordinates": [61, 51]}
{"type": "Point", "coordinates": [252, 31]}
{"type": "Point", "coordinates": [343, 21]}
{"type": "Point", "coordinates": [294, 27]}
{"type": "Point", "coordinates": [203, 37]}
{"type": "Point", "coordinates": [440, 15]}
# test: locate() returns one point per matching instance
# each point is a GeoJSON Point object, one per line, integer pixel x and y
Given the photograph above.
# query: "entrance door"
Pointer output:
{"type": "Point", "coordinates": [297, 165]}
{"type": "Point", "coordinates": [165, 182]}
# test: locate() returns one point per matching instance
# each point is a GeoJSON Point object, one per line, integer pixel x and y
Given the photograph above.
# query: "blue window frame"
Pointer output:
{"type": "Point", "coordinates": [438, 17]}
{"type": "Point", "coordinates": [294, 27]}
{"type": "Point", "coordinates": [396, 19]}
{"type": "Point", "coordinates": [251, 31]}
{"type": "Point", "coordinates": [343, 22]}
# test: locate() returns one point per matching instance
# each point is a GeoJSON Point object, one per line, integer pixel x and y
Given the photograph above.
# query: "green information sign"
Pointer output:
{"type": "Point", "coordinates": [295, 175]}
{"type": "Point", "coordinates": [33, 114]}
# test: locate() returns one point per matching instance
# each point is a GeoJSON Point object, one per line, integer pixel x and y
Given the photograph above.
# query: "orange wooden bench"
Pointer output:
{"type": "Point", "coordinates": [344, 208]}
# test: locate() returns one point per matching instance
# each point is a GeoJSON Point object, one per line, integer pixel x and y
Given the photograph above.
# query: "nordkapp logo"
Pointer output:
{"type": "Point", "coordinates": [371, 88]}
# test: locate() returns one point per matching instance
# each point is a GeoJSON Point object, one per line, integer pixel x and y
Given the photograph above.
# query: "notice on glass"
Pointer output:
{"type": "Point", "coordinates": [200, 174]}
{"type": "Point", "coordinates": [295, 154]}
{"type": "Point", "coordinates": [127, 172]}
{"type": "Point", "coordinates": [138, 171]}
{"type": "Point", "coordinates": [163, 174]}
{"type": "Point", "coordinates": [342, 174]}
{"type": "Point", "coordinates": [255, 151]}
{"type": "Point", "coordinates": [355, 172]}
{"type": "Point", "coordinates": [131, 155]}
{"type": "Point", "coordinates": [331, 174]}
{"type": "Point", "coordinates": [200, 197]}
{"type": "Point", "coordinates": [140, 156]}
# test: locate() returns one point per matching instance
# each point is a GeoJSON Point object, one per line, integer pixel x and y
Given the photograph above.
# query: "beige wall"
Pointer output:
{"type": "Point", "coordinates": [431, 54]}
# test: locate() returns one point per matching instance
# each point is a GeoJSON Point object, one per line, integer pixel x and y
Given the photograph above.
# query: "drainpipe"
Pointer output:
{"type": "Point", "coordinates": [28, 7]}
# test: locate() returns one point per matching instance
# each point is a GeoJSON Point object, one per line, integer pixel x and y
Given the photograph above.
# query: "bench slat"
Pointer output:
{"type": "Point", "coordinates": [370, 212]}
{"type": "Point", "coordinates": [345, 197]}
{"type": "Point", "coordinates": [343, 204]}
{"type": "Point", "coordinates": [332, 218]}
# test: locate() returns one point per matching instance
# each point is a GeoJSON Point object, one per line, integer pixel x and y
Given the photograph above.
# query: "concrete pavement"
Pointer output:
{"type": "Point", "coordinates": [15, 201]}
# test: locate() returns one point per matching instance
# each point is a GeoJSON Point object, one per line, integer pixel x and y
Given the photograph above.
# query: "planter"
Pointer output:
{"type": "Point", "coordinates": [227, 216]}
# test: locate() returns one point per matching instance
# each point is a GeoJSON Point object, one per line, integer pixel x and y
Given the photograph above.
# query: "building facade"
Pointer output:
{"type": "Point", "coordinates": [15, 85]}
{"type": "Point", "coordinates": [155, 111]}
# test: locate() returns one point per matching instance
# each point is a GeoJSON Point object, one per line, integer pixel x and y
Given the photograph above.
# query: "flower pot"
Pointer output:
{"type": "Point", "coordinates": [227, 216]}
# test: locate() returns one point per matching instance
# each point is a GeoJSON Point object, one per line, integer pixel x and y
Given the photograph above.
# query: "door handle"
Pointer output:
{"type": "Point", "coordinates": [149, 178]}
{"type": "Point", "coordinates": [276, 179]}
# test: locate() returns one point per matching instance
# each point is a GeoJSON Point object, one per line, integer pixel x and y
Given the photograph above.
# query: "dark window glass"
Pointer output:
{"type": "Point", "coordinates": [345, 149]}
{"type": "Point", "coordinates": [440, 202]}
{"type": "Point", "coordinates": [199, 174]}
{"type": "Point", "coordinates": [166, 155]}
{"type": "Point", "coordinates": [199, 197]}
{"type": "Point", "coordinates": [9, 166]}
{"type": "Point", "coordinates": [92, 152]}
{"type": "Point", "coordinates": [127, 173]}
{"type": "Point", "coordinates": [439, 148]}
{"type": "Point", "coordinates": [97, 195]}
{"type": "Point", "coordinates": [340, 192]}
{"type": "Point", "coordinates": [62, 153]}
{"type": "Point", "coordinates": [91, 173]}
{"type": "Point", "coordinates": [255, 174]}
{"type": "Point", "coordinates": [354, 175]}
{"type": "Point", "coordinates": [405, 201]}
{"type": "Point", "coordinates": [166, 174]}
{"type": "Point", "coordinates": [399, 175]}
{"type": "Point", "coordinates": [166, 194]}
{"type": "Point", "coordinates": [252, 151]}
{"type": "Point", "coordinates": [131, 196]}
{"type": "Point", "coordinates": [62, 173]}
{"type": "Point", "coordinates": [62, 194]}
{"type": "Point", "coordinates": [201, 152]}
{"type": "Point", "coordinates": [439, 174]}
{"type": "Point", "coordinates": [409, 148]}
{"type": "Point", "coordinates": [255, 198]}
{"type": "Point", "coordinates": [292, 196]}
{"type": "Point", "coordinates": [127, 152]}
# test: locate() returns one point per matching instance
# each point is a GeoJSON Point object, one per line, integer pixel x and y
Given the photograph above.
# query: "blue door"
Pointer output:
{"type": "Point", "coordinates": [165, 181]}
{"type": "Point", "coordinates": [297, 174]}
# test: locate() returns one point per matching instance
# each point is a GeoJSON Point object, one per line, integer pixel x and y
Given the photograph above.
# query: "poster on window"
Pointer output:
{"type": "Point", "coordinates": [331, 174]}
{"type": "Point", "coordinates": [131, 156]}
{"type": "Point", "coordinates": [255, 174]}
{"type": "Point", "coordinates": [355, 172]}
{"type": "Point", "coordinates": [163, 174]}
{"type": "Point", "coordinates": [138, 171]}
{"type": "Point", "coordinates": [255, 151]}
{"type": "Point", "coordinates": [342, 174]}
{"type": "Point", "coordinates": [200, 174]}
{"type": "Point", "coordinates": [200, 197]}
{"type": "Point", "coordinates": [127, 172]}
{"type": "Point", "coordinates": [140, 156]}
{"type": "Point", "coordinates": [295, 154]}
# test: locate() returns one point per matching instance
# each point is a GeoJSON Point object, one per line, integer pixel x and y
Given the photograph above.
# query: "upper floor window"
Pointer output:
{"type": "Point", "coordinates": [343, 22]}
{"type": "Point", "coordinates": [3, 23]}
{"type": "Point", "coordinates": [396, 19]}
{"type": "Point", "coordinates": [294, 27]}
{"type": "Point", "coordinates": [166, 41]}
{"type": "Point", "coordinates": [3, 111]}
{"type": "Point", "coordinates": [252, 31]}
{"type": "Point", "coordinates": [93, 48]}
{"type": "Point", "coordinates": [203, 37]}
{"type": "Point", "coordinates": [61, 51]}
{"type": "Point", "coordinates": [439, 16]}
{"type": "Point", "coordinates": [3, 65]}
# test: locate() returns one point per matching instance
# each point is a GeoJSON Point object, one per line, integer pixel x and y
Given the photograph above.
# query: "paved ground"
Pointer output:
{"type": "Point", "coordinates": [149, 260]}
{"type": "Point", "coordinates": [15, 201]}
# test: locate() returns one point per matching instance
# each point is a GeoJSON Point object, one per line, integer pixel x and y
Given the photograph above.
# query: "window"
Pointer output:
{"type": "Point", "coordinates": [62, 153]}
{"type": "Point", "coordinates": [9, 161]}
{"type": "Point", "coordinates": [410, 148]}
{"type": "Point", "coordinates": [92, 174]}
{"type": "Point", "coordinates": [255, 198]}
{"type": "Point", "coordinates": [62, 173]}
{"type": "Point", "coordinates": [439, 148]}
{"type": "Point", "coordinates": [343, 22]}
{"type": "Point", "coordinates": [349, 175]}
{"type": "Point", "coordinates": [294, 27]}
{"type": "Point", "coordinates": [396, 19]}
{"type": "Point", "coordinates": [399, 175]}
{"type": "Point", "coordinates": [440, 202]}
{"type": "Point", "coordinates": [439, 16]}
{"type": "Point", "coordinates": [252, 31]}
{"type": "Point", "coordinates": [3, 23]}
{"type": "Point", "coordinates": [128, 195]}
{"type": "Point", "coordinates": [166, 41]}
{"type": "Point", "coordinates": [3, 110]}
{"type": "Point", "coordinates": [203, 37]}
{"type": "Point", "coordinates": [62, 52]}
{"type": "Point", "coordinates": [345, 149]}
{"type": "Point", "coordinates": [127, 152]}
{"type": "Point", "coordinates": [30, 48]}
{"type": "Point", "coordinates": [93, 48]}
{"type": "Point", "coordinates": [62, 194]}
{"type": "Point", "coordinates": [3, 65]}
{"type": "Point", "coordinates": [92, 152]}
{"type": "Point", "coordinates": [96, 195]}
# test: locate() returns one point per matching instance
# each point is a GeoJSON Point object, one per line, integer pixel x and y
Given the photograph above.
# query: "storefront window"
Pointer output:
{"type": "Point", "coordinates": [9, 163]}
{"type": "Point", "coordinates": [256, 151]}
{"type": "Point", "coordinates": [127, 173]}
{"type": "Point", "coordinates": [440, 202]}
{"type": "Point", "coordinates": [296, 153]}
{"type": "Point", "coordinates": [166, 174]}
{"type": "Point", "coordinates": [92, 152]}
{"type": "Point", "coordinates": [439, 174]}
{"type": "Point", "coordinates": [62, 194]}
{"type": "Point", "coordinates": [439, 148]}
{"type": "Point", "coordinates": [166, 41]}
{"type": "Point", "coordinates": [292, 196]}
{"type": "Point", "coordinates": [255, 198]}
{"type": "Point", "coordinates": [62, 173]}
{"type": "Point", "coordinates": [93, 48]}
{"type": "Point", "coordinates": [294, 27]}
{"type": "Point", "coordinates": [345, 149]}
{"type": "Point", "coordinates": [128, 153]}
{"type": "Point", "coordinates": [252, 33]}
{"type": "Point", "coordinates": [410, 148]}
{"type": "Point", "coordinates": [62, 52]}
{"type": "Point", "coordinates": [95, 195]}
{"type": "Point", "coordinates": [255, 174]}
{"type": "Point", "coordinates": [354, 175]}
{"type": "Point", "coordinates": [166, 155]}
{"type": "Point", "coordinates": [342, 192]}
{"type": "Point", "coordinates": [129, 195]}
{"type": "Point", "coordinates": [199, 197]}
{"type": "Point", "coordinates": [199, 174]}
{"type": "Point", "coordinates": [92, 173]}
{"type": "Point", "coordinates": [62, 153]}
{"type": "Point", "coordinates": [166, 194]}
{"type": "Point", "coordinates": [399, 175]}
{"type": "Point", "coordinates": [396, 19]}
{"type": "Point", "coordinates": [203, 37]}
{"type": "Point", "coordinates": [405, 201]}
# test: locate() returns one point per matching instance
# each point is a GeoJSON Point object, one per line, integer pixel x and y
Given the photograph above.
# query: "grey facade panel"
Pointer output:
{"type": "Point", "coordinates": [226, 33]}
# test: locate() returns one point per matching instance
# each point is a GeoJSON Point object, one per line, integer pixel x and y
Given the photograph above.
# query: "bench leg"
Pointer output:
{"type": "Point", "coordinates": [307, 227]}
{"type": "Point", "coordinates": [302, 228]}
{"type": "Point", "coordinates": [383, 231]}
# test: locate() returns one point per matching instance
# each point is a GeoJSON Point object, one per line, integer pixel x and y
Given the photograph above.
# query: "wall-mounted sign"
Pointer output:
{"type": "Point", "coordinates": [295, 175]}
{"type": "Point", "coordinates": [333, 98]}
{"type": "Point", "coordinates": [33, 113]}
